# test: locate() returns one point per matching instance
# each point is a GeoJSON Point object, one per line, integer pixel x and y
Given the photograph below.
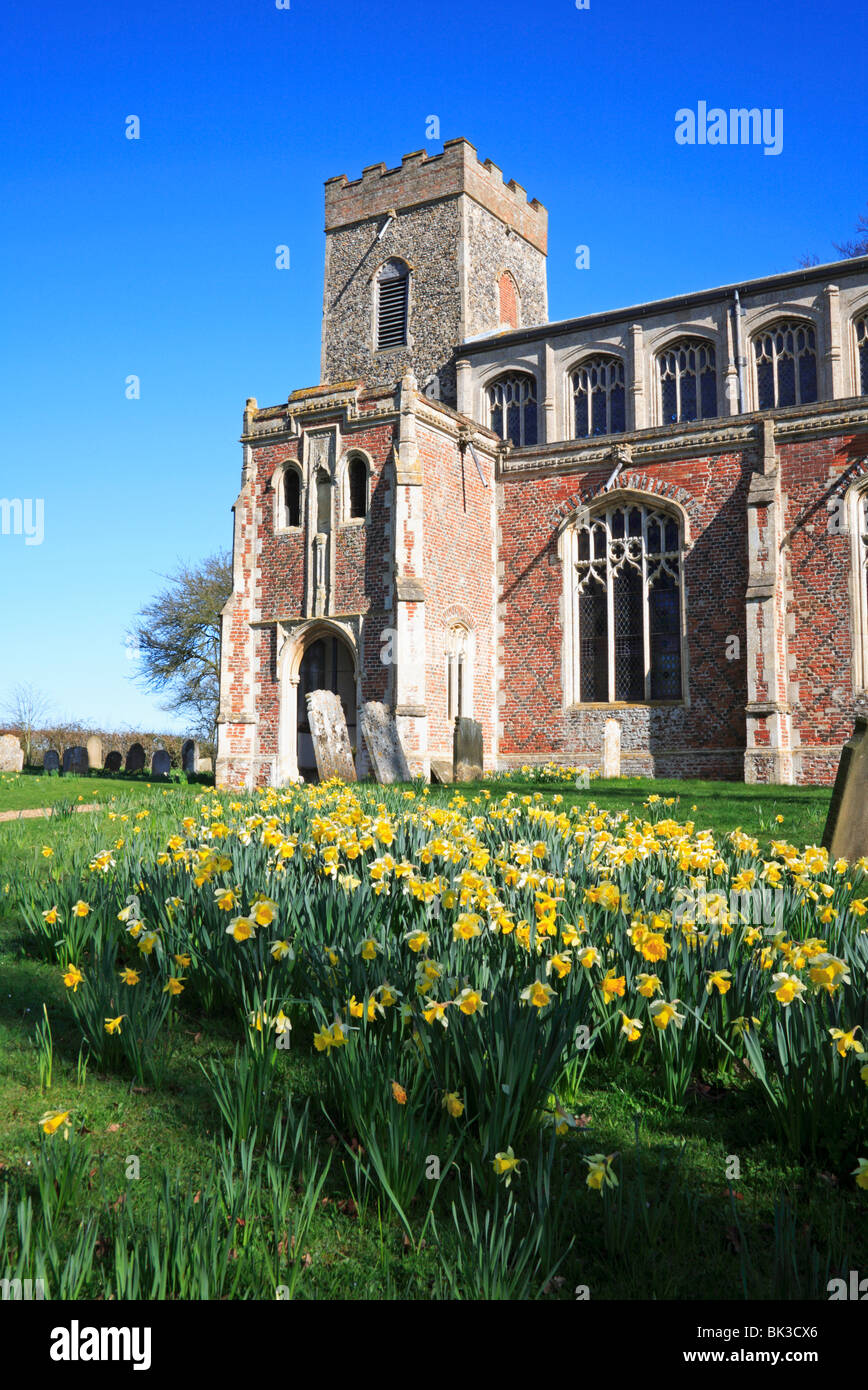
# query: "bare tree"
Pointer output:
{"type": "Point", "coordinates": [27, 709]}
{"type": "Point", "coordinates": [859, 247]}
{"type": "Point", "coordinates": [177, 639]}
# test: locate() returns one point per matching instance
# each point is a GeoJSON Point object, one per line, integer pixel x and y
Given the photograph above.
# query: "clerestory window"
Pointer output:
{"type": "Point", "coordinates": [513, 408]}
{"type": "Point", "coordinates": [598, 397]}
{"type": "Point", "coordinates": [785, 357]}
{"type": "Point", "coordinates": [688, 381]}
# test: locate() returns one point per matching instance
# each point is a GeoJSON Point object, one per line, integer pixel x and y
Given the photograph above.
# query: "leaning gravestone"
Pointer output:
{"type": "Point", "coordinates": [161, 763]}
{"type": "Point", "coordinates": [846, 833]}
{"type": "Point", "coordinates": [331, 741]}
{"type": "Point", "coordinates": [612, 748]}
{"type": "Point", "coordinates": [466, 749]}
{"type": "Point", "coordinates": [114, 761]}
{"type": "Point", "coordinates": [50, 760]}
{"type": "Point", "coordinates": [441, 771]}
{"type": "Point", "coordinates": [94, 751]}
{"type": "Point", "coordinates": [11, 754]}
{"type": "Point", "coordinates": [135, 758]}
{"type": "Point", "coordinates": [190, 755]}
{"type": "Point", "coordinates": [380, 733]}
{"type": "Point", "coordinates": [75, 762]}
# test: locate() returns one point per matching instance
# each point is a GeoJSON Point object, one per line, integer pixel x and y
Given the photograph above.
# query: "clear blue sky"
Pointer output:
{"type": "Point", "coordinates": [156, 257]}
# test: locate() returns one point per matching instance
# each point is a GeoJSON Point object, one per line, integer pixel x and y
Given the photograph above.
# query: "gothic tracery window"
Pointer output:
{"type": "Point", "coordinates": [624, 584]}
{"type": "Point", "coordinates": [598, 397]}
{"type": "Point", "coordinates": [786, 365]}
{"type": "Point", "coordinates": [393, 286]}
{"type": "Point", "coordinates": [513, 407]}
{"type": "Point", "coordinates": [688, 381]}
{"type": "Point", "coordinates": [861, 327]}
{"type": "Point", "coordinates": [860, 587]}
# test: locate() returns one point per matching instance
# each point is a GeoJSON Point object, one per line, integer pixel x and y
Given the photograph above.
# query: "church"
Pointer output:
{"type": "Point", "coordinates": [657, 515]}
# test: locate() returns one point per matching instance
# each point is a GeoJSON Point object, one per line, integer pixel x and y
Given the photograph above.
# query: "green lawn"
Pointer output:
{"type": "Point", "coordinates": [774, 1231]}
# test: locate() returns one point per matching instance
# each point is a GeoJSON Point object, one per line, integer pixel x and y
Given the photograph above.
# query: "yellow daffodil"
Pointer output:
{"type": "Point", "coordinates": [130, 976]}
{"type": "Point", "coordinates": [72, 978]}
{"type": "Point", "coordinates": [113, 1025]}
{"type": "Point", "coordinates": [538, 994]}
{"type": "Point", "coordinates": [663, 1013]}
{"type": "Point", "coordinates": [846, 1042]}
{"type": "Point", "coordinates": [453, 1104]}
{"type": "Point", "coordinates": [53, 1120]}
{"type": "Point", "coordinates": [721, 980]}
{"type": "Point", "coordinates": [505, 1164]}
{"type": "Point", "coordinates": [600, 1173]}
{"type": "Point", "coordinates": [787, 987]}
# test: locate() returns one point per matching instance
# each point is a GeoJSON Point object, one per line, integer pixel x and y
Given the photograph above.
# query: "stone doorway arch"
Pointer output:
{"type": "Point", "coordinates": [318, 655]}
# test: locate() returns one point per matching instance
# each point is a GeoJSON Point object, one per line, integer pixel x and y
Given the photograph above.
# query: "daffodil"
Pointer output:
{"type": "Point", "coordinates": [241, 928]}
{"type": "Point", "coordinates": [505, 1164]}
{"type": "Point", "coordinates": [786, 987]}
{"type": "Point", "coordinates": [174, 985]}
{"type": "Point", "coordinates": [130, 976]}
{"type": "Point", "coordinates": [328, 1038]}
{"type": "Point", "coordinates": [663, 1013]}
{"type": "Point", "coordinates": [453, 1103]}
{"type": "Point", "coordinates": [538, 994]}
{"type": "Point", "coordinates": [72, 978]}
{"type": "Point", "coordinates": [398, 1093]}
{"type": "Point", "coordinates": [113, 1025]}
{"type": "Point", "coordinates": [721, 980]}
{"type": "Point", "coordinates": [600, 1172]}
{"type": "Point", "coordinates": [469, 1001]}
{"type": "Point", "coordinates": [81, 909]}
{"type": "Point", "coordinates": [846, 1042]}
{"type": "Point", "coordinates": [52, 1121]}
{"type": "Point", "coordinates": [861, 1173]}
{"type": "Point", "coordinates": [631, 1028]}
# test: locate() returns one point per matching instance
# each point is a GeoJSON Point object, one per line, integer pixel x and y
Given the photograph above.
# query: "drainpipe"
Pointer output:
{"type": "Point", "coordinates": [739, 354]}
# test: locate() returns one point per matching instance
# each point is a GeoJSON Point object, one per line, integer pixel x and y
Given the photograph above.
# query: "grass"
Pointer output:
{"type": "Point", "coordinates": [698, 1230]}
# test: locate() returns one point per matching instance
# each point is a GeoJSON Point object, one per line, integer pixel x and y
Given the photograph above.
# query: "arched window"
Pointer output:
{"type": "Point", "coordinates": [598, 397]}
{"type": "Point", "coordinates": [512, 402]}
{"type": "Point", "coordinates": [357, 488]}
{"type": "Point", "coordinates": [623, 576]}
{"type": "Point", "coordinates": [459, 681]}
{"type": "Point", "coordinates": [861, 328]}
{"type": "Point", "coordinates": [323, 501]}
{"type": "Point", "coordinates": [507, 298]}
{"type": "Point", "coordinates": [291, 497]}
{"type": "Point", "coordinates": [688, 381]}
{"type": "Point", "coordinates": [393, 284]}
{"type": "Point", "coordinates": [786, 365]}
{"type": "Point", "coordinates": [859, 534]}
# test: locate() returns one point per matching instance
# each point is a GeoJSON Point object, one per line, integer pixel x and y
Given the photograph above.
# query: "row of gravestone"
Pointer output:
{"type": "Point", "coordinates": [79, 760]}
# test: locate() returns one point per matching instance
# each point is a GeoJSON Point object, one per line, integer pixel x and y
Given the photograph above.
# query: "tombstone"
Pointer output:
{"type": "Point", "coordinates": [846, 833]}
{"type": "Point", "coordinates": [11, 754]}
{"type": "Point", "coordinates": [161, 763]}
{"type": "Point", "coordinates": [441, 771]}
{"type": "Point", "coordinates": [75, 762]}
{"type": "Point", "coordinates": [331, 741]}
{"type": "Point", "coordinates": [466, 750]}
{"type": "Point", "coordinates": [612, 748]}
{"type": "Point", "coordinates": [135, 758]}
{"type": "Point", "coordinates": [114, 761]}
{"type": "Point", "coordinates": [50, 760]}
{"type": "Point", "coordinates": [190, 755]}
{"type": "Point", "coordinates": [380, 733]}
{"type": "Point", "coordinates": [206, 765]}
{"type": "Point", "coordinates": [94, 751]}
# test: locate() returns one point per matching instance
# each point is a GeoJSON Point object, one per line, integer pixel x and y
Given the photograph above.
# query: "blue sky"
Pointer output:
{"type": "Point", "coordinates": [156, 257]}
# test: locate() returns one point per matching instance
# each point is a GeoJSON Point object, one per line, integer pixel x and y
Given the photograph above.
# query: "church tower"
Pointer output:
{"type": "Point", "coordinates": [420, 259]}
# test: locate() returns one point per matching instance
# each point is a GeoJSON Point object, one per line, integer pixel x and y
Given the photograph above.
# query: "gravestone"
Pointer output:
{"type": "Point", "coordinates": [190, 755]}
{"type": "Point", "coordinates": [11, 754]}
{"type": "Point", "coordinates": [135, 758]}
{"type": "Point", "coordinates": [75, 762]}
{"type": "Point", "coordinates": [50, 760]}
{"type": "Point", "coordinates": [441, 771]}
{"type": "Point", "coordinates": [114, 761]}
{"type": "Point", "coordinates": [380, 733]}
{"type": "Point", "coordinates": [846, 833]}
{"type": "Point", "coordinates": [161, 763]}
{"type": "Point", "coordinates": [612, 748]}
{"type": "Point", "coordinates": [331, 741]}
{"type": "Point", "coordinates": [466, 750]}
{"type": "Point", "coordinates": [94, 751]}
{"type": "Point", "coordinates": [206, 765]}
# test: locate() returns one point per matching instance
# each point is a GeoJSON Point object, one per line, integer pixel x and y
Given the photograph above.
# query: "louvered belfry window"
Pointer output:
{"type": "Point", "coordinates": [393, 283]}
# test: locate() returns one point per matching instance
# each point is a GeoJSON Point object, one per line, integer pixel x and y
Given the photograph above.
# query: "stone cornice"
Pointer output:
{"type": "Point", "coordinates": [662, 444]}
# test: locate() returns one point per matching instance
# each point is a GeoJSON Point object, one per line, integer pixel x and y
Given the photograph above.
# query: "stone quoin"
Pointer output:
{"type": "Point", "coordinates": [656, 516]}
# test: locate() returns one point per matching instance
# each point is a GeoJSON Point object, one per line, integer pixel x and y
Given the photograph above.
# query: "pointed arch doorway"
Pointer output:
{"type": "Point", "coordinates": [327, 663]}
